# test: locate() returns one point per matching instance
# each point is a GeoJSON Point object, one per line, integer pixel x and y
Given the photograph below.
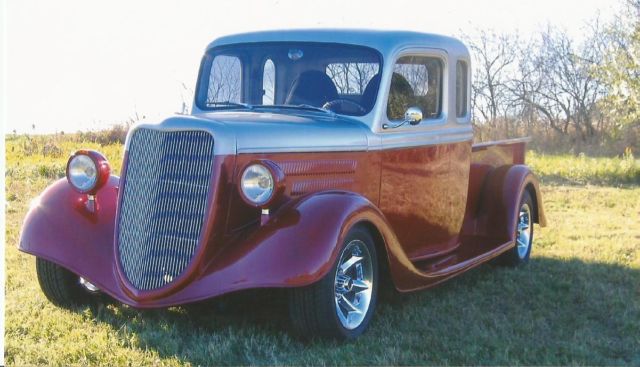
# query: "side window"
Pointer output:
{"type": "Point", "coordinates": [416, 82]}
{"type": "Point", "coordinates": [461, 88]}
{"type": "Point", "coordinates": [268, 83]}
{"type": "Point", "coordinates": [351, 78]}
{"type": "Point", "coordinates": [225, 80]}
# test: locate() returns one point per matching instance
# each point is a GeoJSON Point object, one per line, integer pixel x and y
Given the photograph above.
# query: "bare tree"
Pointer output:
{"type": "Point", "coordinates": [547, 82]}
{"type": "Point", "coordinates": [225, 80]}
{"type": "Point", "coordinates": [351, 77]}
{"type": "Point", "coordinates": [556, 78]}
{"type": "Point", "coordinates": [494, 56]}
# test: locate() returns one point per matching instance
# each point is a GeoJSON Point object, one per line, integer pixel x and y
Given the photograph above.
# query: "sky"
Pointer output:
{"type": "Point", "coordinates": [79, 65]}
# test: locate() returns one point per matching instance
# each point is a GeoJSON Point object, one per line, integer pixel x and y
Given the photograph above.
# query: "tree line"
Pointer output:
{"type": "Point", "coordinates": [567, 94]}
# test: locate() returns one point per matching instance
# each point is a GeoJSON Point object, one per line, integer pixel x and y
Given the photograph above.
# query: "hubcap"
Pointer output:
{"type": "Point", "coordinates": [87, 285]}
{"type": "Point", "coordinates": [353, 284]}
{"type": "Point", "coordinates": [523, 231]}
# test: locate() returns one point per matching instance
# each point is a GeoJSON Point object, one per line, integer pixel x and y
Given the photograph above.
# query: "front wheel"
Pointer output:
{"type": "Point", "coordinates": [342, 303]}
{"type": "Point", "coordinates": [62, 287]}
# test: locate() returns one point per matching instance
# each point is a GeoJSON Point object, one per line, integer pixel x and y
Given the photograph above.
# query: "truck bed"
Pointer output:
{"type": "Point", "coordinates": [500, 152]}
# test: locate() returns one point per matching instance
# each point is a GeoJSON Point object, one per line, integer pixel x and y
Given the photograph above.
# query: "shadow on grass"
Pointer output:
{"type": "Point", "coordinates": [548, 312]}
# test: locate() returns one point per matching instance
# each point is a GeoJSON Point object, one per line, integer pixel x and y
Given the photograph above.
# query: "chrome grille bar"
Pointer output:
{"type": "Point", "coordinates": [164, 202]}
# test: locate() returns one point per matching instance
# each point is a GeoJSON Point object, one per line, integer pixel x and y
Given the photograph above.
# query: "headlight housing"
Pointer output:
{"type": "Point", "coordinates": [261, 183]}
{"type": "Point", "coordinates": [87, 171]}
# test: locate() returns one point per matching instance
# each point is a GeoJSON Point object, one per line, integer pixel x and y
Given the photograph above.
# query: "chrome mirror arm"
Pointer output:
{"type": "Point", "coordinates": [394, 126]}
{"type": "Point", "coordinates": [413, 116]}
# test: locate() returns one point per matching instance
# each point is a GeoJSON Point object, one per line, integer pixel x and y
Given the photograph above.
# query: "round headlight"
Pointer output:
{"type": "Point", "coordinates": [257, 184]}
{"type": "Point", "coordinates": [87, 171]}
{"type": "Point", "coordinates": [83, 173]}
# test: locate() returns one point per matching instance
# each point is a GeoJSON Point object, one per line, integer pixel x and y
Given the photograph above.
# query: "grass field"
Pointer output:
{"type": "Point", "coordinates": [576, 302]}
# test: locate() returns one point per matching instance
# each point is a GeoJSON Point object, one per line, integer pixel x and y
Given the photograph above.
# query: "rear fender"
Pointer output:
{"type": "Point", "coordinates": [495, 215]}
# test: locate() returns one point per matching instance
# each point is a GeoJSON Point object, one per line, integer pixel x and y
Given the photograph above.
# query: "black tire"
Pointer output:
{"type": "Point", "coordinates": [514, 256]}
{"type": "Point", "coordinates": [60, 286]}
{"type": "Point", "coordinates": [313, 309]}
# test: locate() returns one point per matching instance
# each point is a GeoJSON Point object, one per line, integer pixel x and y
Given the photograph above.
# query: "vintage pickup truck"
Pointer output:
{"type": "Point", "coordinates": [322, 162]}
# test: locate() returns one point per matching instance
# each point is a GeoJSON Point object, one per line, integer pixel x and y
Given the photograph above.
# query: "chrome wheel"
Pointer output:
{"type": "Point", "coordinates": [341, 304]}
{"type": "Point", "coordinates": [89, 287]}
{"type": "Point", "coordinates": [353, 285]}
{"type": "Point", "coordinates": [523, 231]}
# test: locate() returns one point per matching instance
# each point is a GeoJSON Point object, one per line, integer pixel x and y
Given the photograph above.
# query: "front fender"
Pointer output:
{"type": "Point", "coordinates": [296, 247]}
{"type": "Point", "coordinates": [60, 228]}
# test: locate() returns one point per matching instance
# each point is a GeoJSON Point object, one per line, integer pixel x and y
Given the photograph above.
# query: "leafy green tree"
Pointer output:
{"type": "Point", "coordinates": [620, 70]}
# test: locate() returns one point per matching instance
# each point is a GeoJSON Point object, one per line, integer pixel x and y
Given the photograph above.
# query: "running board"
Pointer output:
{"type": "Point", "coordinates": [472, 252]}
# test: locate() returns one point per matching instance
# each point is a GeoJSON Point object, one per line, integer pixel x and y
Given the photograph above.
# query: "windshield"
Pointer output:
{"type": "Point", "coordinates": [314, 76]}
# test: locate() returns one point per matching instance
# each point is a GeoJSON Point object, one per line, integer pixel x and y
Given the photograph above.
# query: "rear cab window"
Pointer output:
{"type": "Point", "coordinates": [462, 93]}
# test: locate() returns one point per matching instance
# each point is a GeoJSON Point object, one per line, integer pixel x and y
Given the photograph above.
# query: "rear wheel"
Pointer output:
{"type": "Point", "coordinates": [524, 234]}
{"type": "Point", "coordinates": [342, 303]}
{"type": "Point", "coordinates": [62, 287]}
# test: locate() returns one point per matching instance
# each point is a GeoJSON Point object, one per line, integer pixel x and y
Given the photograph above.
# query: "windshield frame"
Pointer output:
{"type": "Point", "coordinates": [201, 92]}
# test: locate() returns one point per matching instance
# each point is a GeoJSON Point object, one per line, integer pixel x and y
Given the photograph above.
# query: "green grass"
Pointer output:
{"type": "Point", "coordinates": [576, 302]}
{"type": "Point", "coordinates": [580, 170]}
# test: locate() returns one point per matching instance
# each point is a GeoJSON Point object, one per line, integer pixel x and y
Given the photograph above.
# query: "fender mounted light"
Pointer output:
{"type": "Point", "coordinates": [261, 183]}
{"type": "Point", "coordinates": [87, 171]}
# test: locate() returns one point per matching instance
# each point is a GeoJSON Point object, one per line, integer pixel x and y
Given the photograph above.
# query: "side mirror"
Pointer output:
{"type": "Point", "coordinates": [413, 115]}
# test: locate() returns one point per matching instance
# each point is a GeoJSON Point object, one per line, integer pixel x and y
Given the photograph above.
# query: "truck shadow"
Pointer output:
{"type": "Point", "coordinates": [573, 311]}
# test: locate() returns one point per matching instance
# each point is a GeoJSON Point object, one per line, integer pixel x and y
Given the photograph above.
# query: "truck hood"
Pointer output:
{"type": "Point", "coordinates": [268, 132]}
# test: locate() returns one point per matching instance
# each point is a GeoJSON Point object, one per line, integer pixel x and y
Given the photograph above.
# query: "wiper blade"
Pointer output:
{"type": "Point", "coordinates": [310, 107]}
{"type": "Point", "coordinates": [229, 104]}
{"type": "Point", "coordinates": [297, 106]}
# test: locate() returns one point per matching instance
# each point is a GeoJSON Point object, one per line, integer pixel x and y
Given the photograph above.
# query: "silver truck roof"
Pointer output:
{"type": "Point", "coordinates": [386, 42]}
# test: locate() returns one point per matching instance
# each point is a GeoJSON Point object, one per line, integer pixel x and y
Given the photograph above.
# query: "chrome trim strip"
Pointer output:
{"type": "Point", "coordinates": [525, 139]}
{"type": "Point", "coordinates": [408, 139]}
{"type": "Point", "coordinates": [305, 149]}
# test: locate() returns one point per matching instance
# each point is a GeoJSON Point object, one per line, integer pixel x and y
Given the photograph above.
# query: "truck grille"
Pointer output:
{"type": "Point", "coordinates": [164, 202]}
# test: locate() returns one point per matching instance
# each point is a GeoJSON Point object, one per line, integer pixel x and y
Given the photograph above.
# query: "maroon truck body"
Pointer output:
{"type": "Point", "coordinates": [238, 251]}
{"type": "Point", "coordinates": [292, 175]}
